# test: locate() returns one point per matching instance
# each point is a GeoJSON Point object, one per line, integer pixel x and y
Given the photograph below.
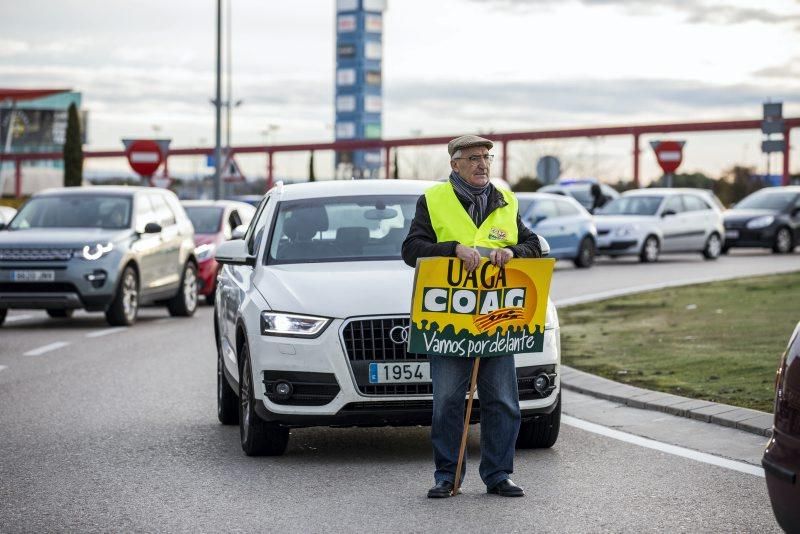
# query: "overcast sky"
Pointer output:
{"type": "Point", "coordinates": [450, 66]}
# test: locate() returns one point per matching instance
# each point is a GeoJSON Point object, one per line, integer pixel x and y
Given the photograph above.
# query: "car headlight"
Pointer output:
{"type": "Point", "coordinates": [624, 231]}
{"type": "Point", "coordinates": [97, 251]}
{"type": "Point", "coordinates": [292, 325]}
{"type": "Point", "coordinates": [205, 251]}
{"type": "Point", "coordinates": [760, 222]}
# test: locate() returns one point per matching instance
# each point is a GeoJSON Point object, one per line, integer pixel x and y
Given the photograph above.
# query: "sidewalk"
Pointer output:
{"type": "Point", "coordinates": [711, 412]}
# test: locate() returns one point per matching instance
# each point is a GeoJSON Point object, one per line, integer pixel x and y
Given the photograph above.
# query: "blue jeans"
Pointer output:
{"type": "Point", "coordinates": [499, 408]}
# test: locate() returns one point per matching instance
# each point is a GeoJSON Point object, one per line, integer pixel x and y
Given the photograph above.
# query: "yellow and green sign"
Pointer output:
{"type": "Point", "coordinates": [488, 312]}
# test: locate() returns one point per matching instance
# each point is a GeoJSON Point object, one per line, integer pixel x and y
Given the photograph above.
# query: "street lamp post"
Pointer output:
{"type": "Point", "coordinates": [218, 109]}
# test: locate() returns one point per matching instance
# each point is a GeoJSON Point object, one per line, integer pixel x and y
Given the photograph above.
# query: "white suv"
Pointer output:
{"type": "Point", "coordinates": [315, 293]}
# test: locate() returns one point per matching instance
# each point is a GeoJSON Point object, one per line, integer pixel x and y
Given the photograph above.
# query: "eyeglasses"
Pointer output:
{"type": "Point", "coordinates": [488, 158]}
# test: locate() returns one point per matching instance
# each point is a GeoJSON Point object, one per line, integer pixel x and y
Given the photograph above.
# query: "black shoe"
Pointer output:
{"type": "Point", "coordinates": [506, 488]}
{"type": "Point", "coordinates": [440, 490]}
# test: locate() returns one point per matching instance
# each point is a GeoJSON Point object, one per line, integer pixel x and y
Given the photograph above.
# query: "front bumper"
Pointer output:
{"type": "Point", "coordinates": [70, 287]}
{"type": "Point", "coordinates": [611, 245]}
{"type": "Point", "coordinates": [342, 399]}
{"type": "Point", "coordinates": [746, 238]}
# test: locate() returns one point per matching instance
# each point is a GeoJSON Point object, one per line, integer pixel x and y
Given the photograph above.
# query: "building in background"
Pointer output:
{"type": "Point", "coordinates": [359, 56]}
{"type": "Point", "coordinates": [40, 125]}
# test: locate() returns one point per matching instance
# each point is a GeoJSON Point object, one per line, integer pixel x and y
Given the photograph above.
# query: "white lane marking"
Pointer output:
{"type": "Point", "coordinates": [3, 367]}
{"type": "Point", "coordinates": [14, 318]}
{"type": "Point", "coordinates": [47, 348]}
{"type": "Point", "coordinates": [106, 332]}
{"type": "Point", "coordinates": [663, 447]}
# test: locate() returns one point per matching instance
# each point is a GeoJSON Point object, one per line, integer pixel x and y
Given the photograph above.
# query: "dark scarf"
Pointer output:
{"type": "Point", "coordinates": [477, 197]}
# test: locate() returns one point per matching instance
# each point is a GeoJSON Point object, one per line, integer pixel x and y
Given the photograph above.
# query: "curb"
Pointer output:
{"type": "Point", "coordinates": [745, 419]}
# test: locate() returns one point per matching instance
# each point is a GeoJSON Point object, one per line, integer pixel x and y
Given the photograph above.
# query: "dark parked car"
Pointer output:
{"type": "Point", "coordinates": [768, 218]}
{"type": "Point", "coordinates": [580, 190]}
{"type": "Point", "coordinates": [782, 457]}
{"type": "Point", "coordinates": [100, 248]}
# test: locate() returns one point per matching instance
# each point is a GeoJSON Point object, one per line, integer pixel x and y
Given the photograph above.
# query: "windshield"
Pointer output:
{"type": "Point", "coordinates": [341, 229]}
{"type": "Point", "coordinates": [632, 205]}
{"type": "Point", "coordinates": [74, 211]}
{"type": "Point", "coordinates": [773, 201]}
{"type": "Point", "coordinates": [205, 219]}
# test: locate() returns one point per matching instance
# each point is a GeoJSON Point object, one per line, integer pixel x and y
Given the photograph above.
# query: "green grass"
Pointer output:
{"type": "Point", "coordinates": [720, 342]}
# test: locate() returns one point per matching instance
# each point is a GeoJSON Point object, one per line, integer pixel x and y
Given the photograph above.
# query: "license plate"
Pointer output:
{"type": "Point", "coordinates": [399, 373]}
{"type": "Point", "coordinates": [732, 234]}
{"type": "Point", "coordinates": [33, 276]}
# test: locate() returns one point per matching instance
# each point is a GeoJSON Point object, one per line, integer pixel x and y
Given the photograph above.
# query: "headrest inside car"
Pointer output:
{"type": "Point", "coordinates": [304, 223]}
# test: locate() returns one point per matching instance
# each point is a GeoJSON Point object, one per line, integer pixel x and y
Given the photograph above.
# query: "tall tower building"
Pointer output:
{"type": "Point", "coordinates": [359, 57]}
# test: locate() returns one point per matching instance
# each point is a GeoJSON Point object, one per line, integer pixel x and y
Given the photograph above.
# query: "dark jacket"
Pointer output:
{"type": "Point", "coordinates": [421, 239]}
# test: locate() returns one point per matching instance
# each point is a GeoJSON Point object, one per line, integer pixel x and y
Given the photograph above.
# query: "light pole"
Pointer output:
{"type": "Point", "coordinates": [218, 109]}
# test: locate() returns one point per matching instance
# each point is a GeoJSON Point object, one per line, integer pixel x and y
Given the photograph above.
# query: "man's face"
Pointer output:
{"type": "Point", "coordinates": [476, 173]}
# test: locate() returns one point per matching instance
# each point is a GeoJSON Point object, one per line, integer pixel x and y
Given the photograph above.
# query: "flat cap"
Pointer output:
{"type": "Point", "coordinates": [467, 141]}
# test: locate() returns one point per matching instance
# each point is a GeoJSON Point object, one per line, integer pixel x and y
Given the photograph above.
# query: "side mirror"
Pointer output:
{"type": "Point", "coordinates": [152, 228]}
{"type": "Point", "coordinates": [667, 213]}
{"type": "Point", "coordinates": [544, 245]}
{"type": "Point", "coordinates": [234, 252]}
{"type": "Point", "coordinates": [238, 232]}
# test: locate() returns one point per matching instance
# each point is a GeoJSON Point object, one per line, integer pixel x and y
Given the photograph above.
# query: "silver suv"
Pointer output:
{"type": "Point", "coordinates": [105, 248]}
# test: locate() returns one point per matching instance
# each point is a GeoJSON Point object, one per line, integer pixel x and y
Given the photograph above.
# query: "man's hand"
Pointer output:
{"type": "Point", "coordinates": [500, 256]}
{"type": "Point", "coordinates": [469, 256]}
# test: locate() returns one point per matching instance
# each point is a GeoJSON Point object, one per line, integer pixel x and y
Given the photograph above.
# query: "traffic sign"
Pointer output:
{"type": "Point", "coordinates": [144, 156]}
{"type": "Point", "coordinates": [669, 154]}
{"type": "Point", "coordinates": [548, 169]}
{"type": "Point", "coordinates": [769, 146]}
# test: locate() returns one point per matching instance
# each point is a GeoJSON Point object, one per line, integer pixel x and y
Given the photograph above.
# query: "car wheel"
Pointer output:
{"type": "Point", "coordinates": [725, 249]}
{"type": "Point", "coordinates": [258, 437]}
{"type": "Point", "coordinates": [3, 313]}
{"type": "Point", "coordinates": [125, 306]}
{"type": "Point", "coordinates": [184, 303]}
{"type": "Point", "coordinates": [713, 247]}
{"type": "Point", "coordinates": [60, 314]}
{"type": "Point", "coordinates": [542, 431]}
{"type": "Point", "coordinates": [227, 401]}
{"type": "Point", "coordinates": [783, 241]}
{"type": "Point", "coordinates": [586, 253]}
{"type": "Point", "coordinates": [650, 250]}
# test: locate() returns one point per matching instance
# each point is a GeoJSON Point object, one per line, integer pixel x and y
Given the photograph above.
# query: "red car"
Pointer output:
{"type": "Point", "coordinates": [782, 457]}
{"type": "Point", "coordinates": [214, 222]}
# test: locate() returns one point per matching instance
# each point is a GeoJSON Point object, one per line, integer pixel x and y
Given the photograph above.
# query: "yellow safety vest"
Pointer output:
{"type": "Point", "coordinates": [451, 222]}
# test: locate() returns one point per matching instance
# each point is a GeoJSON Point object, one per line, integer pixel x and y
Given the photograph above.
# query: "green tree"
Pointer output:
{"type": "Point", "coordinates": [311, 177]}
{"type": "Point", "coordinates": [735, 184]}
{"type": "Point", "coordinates": [526, 184]}
{"type": "Point", "coordinates": [396, 171]}
{"type": "Point", "coordinates": [73, 150]}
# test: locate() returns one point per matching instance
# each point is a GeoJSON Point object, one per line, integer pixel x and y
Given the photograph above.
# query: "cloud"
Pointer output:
{"type": "Point", "coordinates": [696, 11]}
{"type": "Point", "coordinates": [788, 71]}
{"type": "Point", "coordinates": [580, 102]}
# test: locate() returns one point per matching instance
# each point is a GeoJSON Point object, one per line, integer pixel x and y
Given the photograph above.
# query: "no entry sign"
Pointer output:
{"type": "Point", "coordinates": [669, 154]}
{"type": "Point", "coordinates": [144, 156]}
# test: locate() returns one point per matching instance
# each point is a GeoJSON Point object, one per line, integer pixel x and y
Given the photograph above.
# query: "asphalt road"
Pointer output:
{"type": "Point", "coordinates": [115, 430]}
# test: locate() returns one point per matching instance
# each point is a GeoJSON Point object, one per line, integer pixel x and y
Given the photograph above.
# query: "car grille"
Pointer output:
{"type": "Point", "coordinates": [36, 254]}
{"type": "Point", "coordinates": [369, 340]}
{"type": "Point", "coordinates": [37, 287]}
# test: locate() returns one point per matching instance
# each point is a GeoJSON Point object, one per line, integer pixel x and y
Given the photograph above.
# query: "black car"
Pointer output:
{"type": "Point", "coordinates": [782, 456]}
{"type": "Point", "coordinates": [768, 218]}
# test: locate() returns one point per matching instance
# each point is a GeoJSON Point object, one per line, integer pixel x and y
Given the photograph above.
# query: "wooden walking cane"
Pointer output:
{"type": "Point", "coordinates": [473, 385]}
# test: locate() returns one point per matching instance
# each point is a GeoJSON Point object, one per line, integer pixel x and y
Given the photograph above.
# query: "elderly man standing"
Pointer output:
{"type": "Point", "coordinates": [467, 217]}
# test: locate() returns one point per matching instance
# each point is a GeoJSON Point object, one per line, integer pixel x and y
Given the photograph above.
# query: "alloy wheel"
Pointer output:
{"type": "Point", "coordinates": [130, 295]}
{"type": "Point", "coordinates": [190, 288]}
{"type": "Point", "coordinates": [244, 397]}
{"type": "Point", "coordinates": [783, 241]}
